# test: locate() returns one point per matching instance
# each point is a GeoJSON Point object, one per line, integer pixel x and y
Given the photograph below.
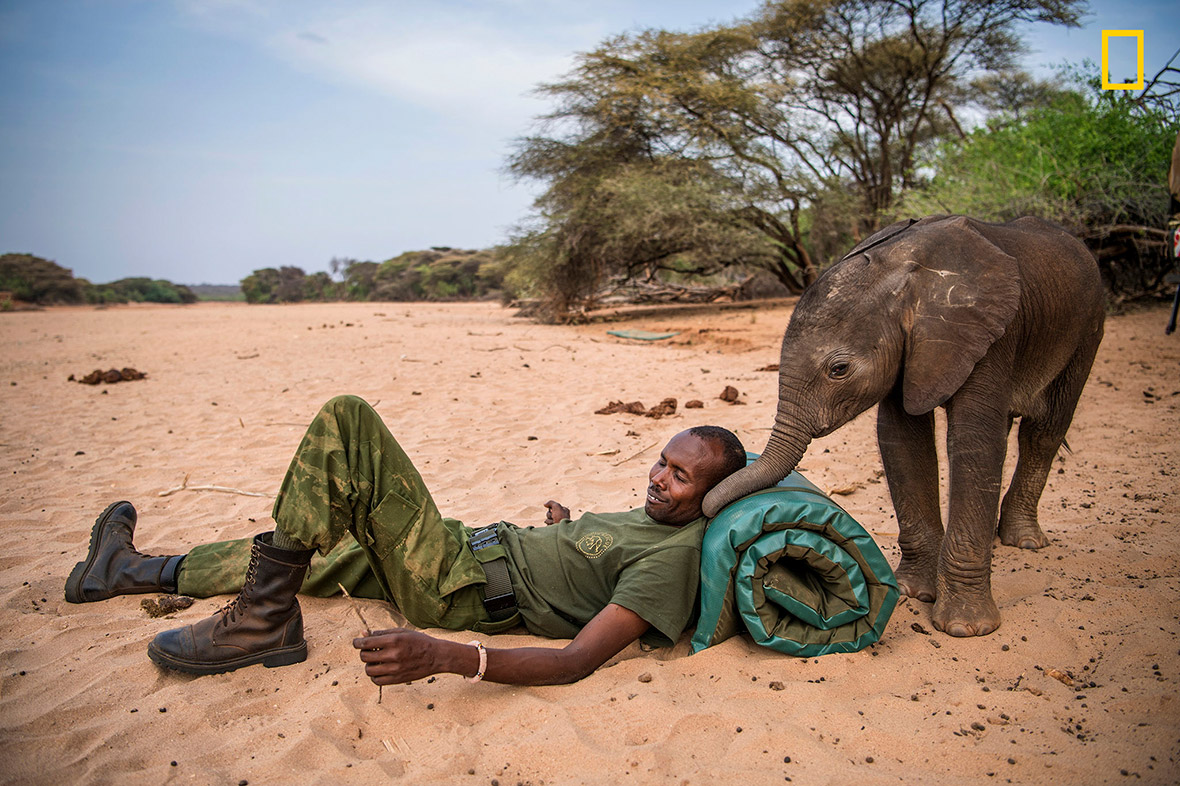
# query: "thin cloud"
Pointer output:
{"type": "Point", "coordinates": [459, 70]}
{"type": "Point", "coordinates": [465, 62]}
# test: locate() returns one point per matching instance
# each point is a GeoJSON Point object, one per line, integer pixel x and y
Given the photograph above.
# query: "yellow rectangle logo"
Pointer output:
{"type": "Point", "coordinates": [1106, 36]}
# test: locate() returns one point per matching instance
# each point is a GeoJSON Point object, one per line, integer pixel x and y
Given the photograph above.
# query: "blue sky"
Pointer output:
{"type": "Point", "coordinates": [197, 140]}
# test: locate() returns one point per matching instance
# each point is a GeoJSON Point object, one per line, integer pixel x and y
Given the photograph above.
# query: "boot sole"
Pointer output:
{"type": "Point", "coordinates": [74, 582]}
{"type": "Point", "coordinates": [285, 656]}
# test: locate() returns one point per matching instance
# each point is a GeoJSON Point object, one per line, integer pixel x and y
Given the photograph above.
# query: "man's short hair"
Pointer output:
{"type": "Point", "coordinates": [733, 454]}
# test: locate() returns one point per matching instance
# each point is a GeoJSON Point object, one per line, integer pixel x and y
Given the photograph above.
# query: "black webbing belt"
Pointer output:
{"type": "Point", "coordinates": [498, 597]}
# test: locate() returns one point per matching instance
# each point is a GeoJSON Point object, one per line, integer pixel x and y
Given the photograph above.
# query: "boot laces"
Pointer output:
{"type": "Point", "coordinates": [230, 611]}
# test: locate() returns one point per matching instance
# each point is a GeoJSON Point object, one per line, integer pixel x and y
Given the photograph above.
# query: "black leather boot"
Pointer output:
{"type": "Point", "coordinates": [263, 624]}
{"type": "Point", "coordinates": [113, 566]}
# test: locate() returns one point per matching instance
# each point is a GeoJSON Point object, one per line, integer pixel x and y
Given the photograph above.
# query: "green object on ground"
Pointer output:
{"type": "Point", "coordinates": [791, 567]}
{"type": "Point", "coordinates": [642, 335]}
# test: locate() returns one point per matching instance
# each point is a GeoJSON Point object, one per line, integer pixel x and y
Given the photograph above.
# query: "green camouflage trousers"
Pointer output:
{"type": "Point", "coordinates": [353, 495]}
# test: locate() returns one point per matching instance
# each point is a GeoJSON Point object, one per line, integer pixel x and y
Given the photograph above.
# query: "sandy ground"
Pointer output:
{"type": "Point", "coordinates": [498, 413]}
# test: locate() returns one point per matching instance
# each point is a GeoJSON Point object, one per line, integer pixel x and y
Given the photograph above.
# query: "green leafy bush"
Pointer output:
{"type": "Point", "coordinates": [36, 280]}
{"type": "Point", "coordinates": [437, 274]}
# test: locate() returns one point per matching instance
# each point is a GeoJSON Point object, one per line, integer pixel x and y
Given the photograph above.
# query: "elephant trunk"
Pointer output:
{"type": "Point", "coordinates": [783, 452]}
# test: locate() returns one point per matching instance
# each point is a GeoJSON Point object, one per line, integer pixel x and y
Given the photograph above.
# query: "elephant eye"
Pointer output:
{"type": "Point", "coordinates": [838, 369]}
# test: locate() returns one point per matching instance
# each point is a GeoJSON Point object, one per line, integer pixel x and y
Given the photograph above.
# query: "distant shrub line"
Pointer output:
{"type": "Point", "coordinates": [31, 279]}
{"type": "Point", "coordinates": [440, 273]}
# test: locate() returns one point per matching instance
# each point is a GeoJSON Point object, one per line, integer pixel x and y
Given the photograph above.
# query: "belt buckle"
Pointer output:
{"type": "Point", "coordinates": [483, 537]}
{"type": "Point", "coordinates": [498, 604]}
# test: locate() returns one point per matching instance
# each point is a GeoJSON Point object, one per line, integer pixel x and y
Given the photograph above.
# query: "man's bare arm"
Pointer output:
{"type": "Point", "coordinates": [401, 655]}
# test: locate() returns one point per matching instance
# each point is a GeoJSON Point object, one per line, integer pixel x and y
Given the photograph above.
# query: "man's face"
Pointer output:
{"type": "Point", "coordinates": [686, 470]}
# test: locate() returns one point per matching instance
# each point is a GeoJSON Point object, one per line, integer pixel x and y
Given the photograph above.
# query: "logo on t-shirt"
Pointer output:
{"type": "Point", "coordinates": [595, 544]}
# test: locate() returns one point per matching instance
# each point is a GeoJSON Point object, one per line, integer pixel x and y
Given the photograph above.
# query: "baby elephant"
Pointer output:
{"type": "Point", "coordinates": [990, 321]}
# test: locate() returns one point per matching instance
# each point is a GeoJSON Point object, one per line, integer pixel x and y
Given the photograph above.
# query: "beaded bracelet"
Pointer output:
{"type": "Point", "coordinates": [483, 661]}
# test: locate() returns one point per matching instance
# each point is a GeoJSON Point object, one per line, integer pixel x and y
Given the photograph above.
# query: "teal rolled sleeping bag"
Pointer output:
{"type": "Point", "coordinates": [792, 568]}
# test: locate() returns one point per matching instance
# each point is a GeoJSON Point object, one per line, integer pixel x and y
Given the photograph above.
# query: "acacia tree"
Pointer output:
{"type": "Point", "coordinates": [806, 102]}
{"type": "Point", "coordinates": [635, 221]}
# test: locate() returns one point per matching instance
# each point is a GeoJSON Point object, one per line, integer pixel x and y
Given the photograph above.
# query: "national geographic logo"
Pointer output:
{"type": "Point", "coordinates": [1106, 36]}
{"type": "Point", "coordinates": [595, 544]}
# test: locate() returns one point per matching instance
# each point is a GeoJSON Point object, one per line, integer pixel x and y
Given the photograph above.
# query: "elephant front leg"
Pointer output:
{"type": "Point", "coordinates": [976, 430]}
{"type": "Point", "coordinates": [911, 468]}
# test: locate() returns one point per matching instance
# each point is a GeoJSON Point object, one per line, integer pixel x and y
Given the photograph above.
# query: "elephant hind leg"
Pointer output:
{"type": "Point", "coordinates": [1018, 514]}
{"type": "Point", "coordinates": [1040, 438]}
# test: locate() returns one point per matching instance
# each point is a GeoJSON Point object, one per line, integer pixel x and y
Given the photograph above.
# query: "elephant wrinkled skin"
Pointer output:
{"type": "Point", "coordinates": [991, 322]}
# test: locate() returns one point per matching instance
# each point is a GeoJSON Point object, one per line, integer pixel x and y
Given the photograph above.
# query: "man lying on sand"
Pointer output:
{"type": "Point", "coordinates": [350, 493]}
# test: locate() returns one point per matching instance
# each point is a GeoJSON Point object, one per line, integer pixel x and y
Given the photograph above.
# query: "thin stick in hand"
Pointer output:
{"type": "Point", "coordinates": [364, 622]}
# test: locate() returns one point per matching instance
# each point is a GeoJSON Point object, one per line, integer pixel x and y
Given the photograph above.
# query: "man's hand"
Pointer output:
{"type": "Point", "coordinates": [555, 512]}
{"type": "Point", "coordinates": [399, 655]}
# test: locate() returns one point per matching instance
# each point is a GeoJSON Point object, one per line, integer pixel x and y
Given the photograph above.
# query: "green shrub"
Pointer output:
{"type": "Point", "coordinates": [36, 280]}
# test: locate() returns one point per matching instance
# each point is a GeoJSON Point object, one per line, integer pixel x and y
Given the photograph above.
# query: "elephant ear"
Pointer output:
{"type": "Point", "coordinates": [963, 293]}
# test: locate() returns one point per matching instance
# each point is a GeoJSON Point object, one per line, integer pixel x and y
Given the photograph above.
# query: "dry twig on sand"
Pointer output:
{"type": "Point", "coordinates": [635, 455]}
{"type": "Point", "coordinates": [184, 486]}
{"type": "Point", "coordinates": [398, 748]}
{"type": "Point", "coordinates": [844, 491]}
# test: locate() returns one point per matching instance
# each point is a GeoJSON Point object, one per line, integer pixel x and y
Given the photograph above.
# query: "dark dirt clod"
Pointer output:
{"type": "Point", "coordinates": [665, 407]}
{"type": "Point", "coordinates": [695, 403]}
{"type": "Point", "coordinates": [165, 605]}
{"type": "Point", "coordinates": [110, 376]}
{"type": "Point", "coordinates": [730, 394]}
{"type": "Point", "coordinates": [634, 408]}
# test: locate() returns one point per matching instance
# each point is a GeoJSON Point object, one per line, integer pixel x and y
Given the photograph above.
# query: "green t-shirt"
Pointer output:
{"type": "Point", "coordinates": [565, 573]}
